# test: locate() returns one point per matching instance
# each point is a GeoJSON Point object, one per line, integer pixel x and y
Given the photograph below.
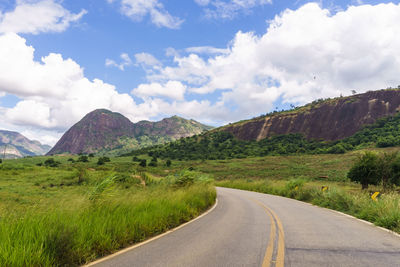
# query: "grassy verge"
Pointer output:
{"type": "Point", "coordinates": [385, 212]}
{"type": "Point", "coordinates": [73, 214]}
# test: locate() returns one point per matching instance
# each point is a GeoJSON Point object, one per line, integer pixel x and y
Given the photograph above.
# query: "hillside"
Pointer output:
{"type": "Point", "coordinates": [15, 145]}
{"type": "Point", "coordinates": [331, 119]}
{"type": "Point", "coordinates": [103, 131]}
{"type": "Point", "coordinates": [236, 141]}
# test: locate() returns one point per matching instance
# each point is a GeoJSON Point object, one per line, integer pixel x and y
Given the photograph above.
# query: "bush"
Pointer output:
{"type": "Point", "coordinates": [51, 163]}
{"type": "Point", "coordinates": [91, 155]}
{"type": "Point", "coordinates": [366, 170]}
{"type": "Point", "coordinates": [168, 163]}
{"type": "Point", "coordinates": [83, 158]}
{"type": "Point", "coordinates": [386, 141]}
{"type": "Point", "coordinates": [135, 159]}
{"type": "Point", "coordinates": [142, 163]}
{"type": "Point", "coordinates": [1, 161]}
{"type": "Point", "coordinates": [71, 160]}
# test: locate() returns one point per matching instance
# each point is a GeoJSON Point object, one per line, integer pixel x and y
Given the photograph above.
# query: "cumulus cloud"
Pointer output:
{"type": "Point", "coordinates": [305, 54]}
{"type": "Point", "coordinates": [54, 93]}
{"type": "Point", "coordinates": [228, 9]}
{"type": "Point", "coordinates": [37, 17]}
{"type": "Point", "coordinates": [172, 89]}
{"type": "Point", "coordinates": [147, 59]}
{"type": "Point", "coordinates": [126, 61]}
{"type": "Point", "coordinates": [138, 9]}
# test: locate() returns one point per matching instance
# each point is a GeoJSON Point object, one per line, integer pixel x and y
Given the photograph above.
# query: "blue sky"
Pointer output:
{"type": "Point", "coordinates": [216, 61]}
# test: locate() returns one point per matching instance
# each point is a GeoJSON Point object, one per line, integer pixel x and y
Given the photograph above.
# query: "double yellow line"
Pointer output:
{"type": "Point", "coordinates": [280, 254]}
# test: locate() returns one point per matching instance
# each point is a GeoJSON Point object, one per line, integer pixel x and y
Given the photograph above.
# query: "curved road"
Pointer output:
{"type": "Point", "coordinates": [253, 229]}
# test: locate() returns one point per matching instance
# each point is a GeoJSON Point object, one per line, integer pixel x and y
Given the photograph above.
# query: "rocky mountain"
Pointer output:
{"type": "Point", "coordinates": [102, 131]}
{"type": "Point", "coordinates": [329, 119]}
{"type": "Point", "coordinates": [15, 145]}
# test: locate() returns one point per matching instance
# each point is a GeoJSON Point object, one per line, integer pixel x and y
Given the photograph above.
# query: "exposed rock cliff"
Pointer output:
{"type": "Point", "coordinates": [103, 131]}
{"type": "Point", "coordinates": [331, 119]}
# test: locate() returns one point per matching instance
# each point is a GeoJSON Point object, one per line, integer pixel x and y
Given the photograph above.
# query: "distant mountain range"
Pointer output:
{"type": "Point", "coordinates": [106, 132]}
{"type": "Point", "coordinates": [15, 145]}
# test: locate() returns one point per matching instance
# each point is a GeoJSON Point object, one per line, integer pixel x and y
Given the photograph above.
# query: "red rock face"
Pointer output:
{"type": "Point", "coordinates": [97, 130]}
{"type": "Point", "coordinates": [101, 130]}
{"type": "Point", "coordinates": [329, 120]}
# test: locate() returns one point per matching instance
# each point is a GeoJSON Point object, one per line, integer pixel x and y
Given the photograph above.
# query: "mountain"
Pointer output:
{"type": "Point", "coordinates": [325, 126]}
{"type": "Point", "coordinates": [104, 131]}
{"type": "Point", "coordinates": [15, 145]}
{"type": "Point", "coordinates": [329, 119]}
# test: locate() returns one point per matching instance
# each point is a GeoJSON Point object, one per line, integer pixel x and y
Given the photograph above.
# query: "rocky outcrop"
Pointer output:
{"type": "Point", "coordinates": [332, 119]}
{"type": "Point", "coordinates": [105, 131]}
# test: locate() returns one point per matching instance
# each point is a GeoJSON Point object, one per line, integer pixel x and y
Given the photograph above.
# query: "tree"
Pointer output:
{"type": "Point", "coordinates": [83, 158]}
{"type": "Point", "coordinates": [168, 163]}
{"type": "Point", "coordinates": [1, 161]}
{"type": "Point", "coordinates": [366, 170]}
{"type": "Point", "coordinates": [143, 163]}
{"type": "Point", "coordinates": [153, 162]}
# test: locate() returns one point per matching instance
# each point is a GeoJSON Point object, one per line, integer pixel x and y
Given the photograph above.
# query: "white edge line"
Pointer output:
{"type": "Point", "coordinates": [151, 239]}
{"type": "Point", "coordinates": [339, 212]}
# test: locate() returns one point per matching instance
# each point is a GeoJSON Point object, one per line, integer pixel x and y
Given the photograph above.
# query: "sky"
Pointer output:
{"type": "Point", "coordinates": [215, 61]}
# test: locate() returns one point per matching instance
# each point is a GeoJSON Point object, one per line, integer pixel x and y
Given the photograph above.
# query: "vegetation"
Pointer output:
{"type": "Point", "coordinates": [223, 145]}
{"type": "Point", "coordinates": [75, 212]}
{"type": "Point", "coordinates": [385, 212]}
{"type": "Point", "coordinates": [373, 168]}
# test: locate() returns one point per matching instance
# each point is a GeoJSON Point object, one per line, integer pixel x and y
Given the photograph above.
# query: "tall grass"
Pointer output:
{"type": "Point", "coordinates": [98, 223]}
{"type": "Point", "coordinates": [385, 212]}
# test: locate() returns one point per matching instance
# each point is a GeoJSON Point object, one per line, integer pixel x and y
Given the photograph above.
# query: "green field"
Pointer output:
{"type": "Point", "coordinates": [77, 212]}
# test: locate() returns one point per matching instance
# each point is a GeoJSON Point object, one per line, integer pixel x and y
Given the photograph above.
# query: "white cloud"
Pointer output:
{"type": "Point", "coordinates": [172, 89]}
{"type": "Point", "coordinates": [228, 9]}
{"type": "Point", "coordinates": [54, 93]}
{"type": "Point", "coordinates": [147, 60]}
{"type": "Point", "coordinates": [138, 9]}
{"type": "Point", "coordinates": [36, 17]}
{"type": "Point", "coordinates": [206, 50]}
{"type": "Point", "coordinates": [126, 61]}
{"type": "Point", "coordinates": [305, 54]}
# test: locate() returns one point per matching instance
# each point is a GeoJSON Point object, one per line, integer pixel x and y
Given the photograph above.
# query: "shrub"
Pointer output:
{"type": "Point", "coordinates": [168, 163]}
{"type": "Point", "coordinates": [142, 163]}
{"type": "Point", "coordinates": [91, 155]}
{"type": "Point", "coordinates": [71, 160]}
{"type": "Point", "coordinates": [51, 163]}
{"type": "Point", "coordinates": [1, 161]}
{"type": "Point", "coordinates": [366, 170]}
{"type": "Point", "coordinates": [83, 158]}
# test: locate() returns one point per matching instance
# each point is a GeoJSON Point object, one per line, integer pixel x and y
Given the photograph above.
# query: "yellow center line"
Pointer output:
{"type": "Point", "coordinates": [280, 257]}
{"type": "Point", "coordinates": [270, 248]}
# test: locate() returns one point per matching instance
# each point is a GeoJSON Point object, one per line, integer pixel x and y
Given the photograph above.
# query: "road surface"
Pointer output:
{"type": "Point", "coordinates": [253, 229]}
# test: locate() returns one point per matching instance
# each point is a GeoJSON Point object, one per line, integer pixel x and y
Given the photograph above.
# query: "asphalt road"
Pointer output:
{"type": "Point", "coordinates": [253, 229]}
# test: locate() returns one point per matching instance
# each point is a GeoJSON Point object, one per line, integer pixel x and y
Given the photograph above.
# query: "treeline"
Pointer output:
{"type": "Point", "coordinates": [223, 145]}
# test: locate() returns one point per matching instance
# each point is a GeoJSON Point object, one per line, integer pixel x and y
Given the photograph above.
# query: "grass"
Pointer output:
{"type": "Point", "coordinates": [280, 175]}
{"type": "Point", "coordinates": [77, 212]}
{"type": "Point", "coordinates": [385, 212]}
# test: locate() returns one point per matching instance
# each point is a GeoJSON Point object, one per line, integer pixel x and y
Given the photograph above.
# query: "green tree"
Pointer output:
{"type": "Point", "coordinates": [143, 163]}
{"type": "Point", "coordinates": [366, 170]}
{"type": "Point", "coordinates": [168, 163]}
{"type": "Point", "coordinates": [83, 158]}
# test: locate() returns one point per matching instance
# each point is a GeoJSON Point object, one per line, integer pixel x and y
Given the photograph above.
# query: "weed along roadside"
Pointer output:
{"type": "Point", "coordinates": [76, 212]}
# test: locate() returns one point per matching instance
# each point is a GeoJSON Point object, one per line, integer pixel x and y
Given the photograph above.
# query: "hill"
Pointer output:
{"type": "Point", "coordinates": [243, 139]}
{"type": "Point", "coordinates": [329, 119]}
{"type": "Point", "coordinates": [102, 131]}
{"type": "Point", "coordinates": [15, 145]}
